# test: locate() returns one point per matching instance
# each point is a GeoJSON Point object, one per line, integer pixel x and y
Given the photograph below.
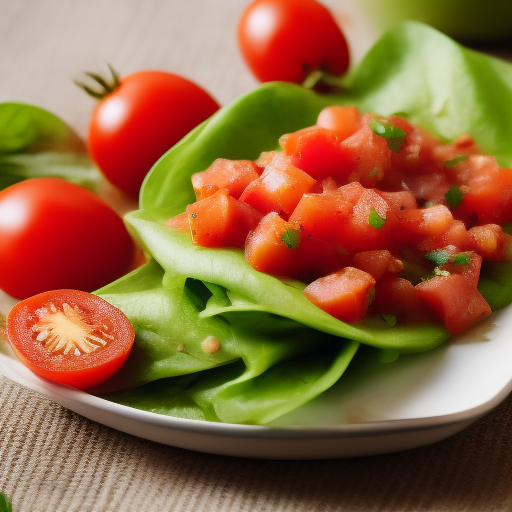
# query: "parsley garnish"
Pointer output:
{"type": "Point", "coordinates": [454, 197]}
{"type": "Point", "coordinates": [438, 257]}
{"type": "Point", "coordinates": [291, 238]}
{"type": "Point", "coordinates": [454, 161]}
{"type": "Point", "coordinates": [375, 220]}
{"type": "Point", "coordinates": [462, 259]}
{"type": "Point", "coordinates": [394, 136]}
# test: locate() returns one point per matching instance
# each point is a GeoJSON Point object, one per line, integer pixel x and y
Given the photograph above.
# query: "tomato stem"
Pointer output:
{"type": "Point", "coordinates": [320, 80]}
{"type": "Point", "coordinates": [106, 86]}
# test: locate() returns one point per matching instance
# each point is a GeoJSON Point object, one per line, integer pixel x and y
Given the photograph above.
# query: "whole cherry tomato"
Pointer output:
{"type": "Point", "coordinates": [54, 234]}
{"type": "Point", "coordinates": [69, 336]}
{"type": "Point", "coordinates": [288, 39]}
{"type": "Point", "coordinates": [138, 118]}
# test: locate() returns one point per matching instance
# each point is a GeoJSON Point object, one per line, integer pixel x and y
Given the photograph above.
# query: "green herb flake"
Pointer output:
{"type": "Point", "coordinates": [454, 161]}
{"type": "Point", "coordinates": [390, 320]}
{"type": "Point", "coordinates": [375, 220]}
{"type": "Point", "coordinates": [291, 238]}
{"type": "Point", "coordinates": [454, 197]}
{"type": "Point", "coordinates": [429, 204]}
{"type": "Point", "coordinates": [439, 257]}
{"type": "Point", "coordinates": [463, 259]}
{"type": "Point", "coordinates": [394, 136]}
{"type": "Point", "coordinates": [374, 171]}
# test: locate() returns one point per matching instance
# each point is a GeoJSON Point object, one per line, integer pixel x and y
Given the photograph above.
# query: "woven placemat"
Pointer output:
{"type": "Point", "coordinates": [53, 460]}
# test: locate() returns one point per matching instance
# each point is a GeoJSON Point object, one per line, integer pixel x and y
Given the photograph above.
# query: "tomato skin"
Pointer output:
{"type": "Point", "coordinates": [58, 235]}
{"type": "Point", "coordinates": [287, 39]}
{"type": "Point", "coordinates": [82, 371]}
{"type": "Point", "coordinates": [135, 124]}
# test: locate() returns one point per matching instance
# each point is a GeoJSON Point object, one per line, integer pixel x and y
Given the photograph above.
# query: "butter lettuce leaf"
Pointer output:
{"type": "Point", "coordinates": [277, 349]}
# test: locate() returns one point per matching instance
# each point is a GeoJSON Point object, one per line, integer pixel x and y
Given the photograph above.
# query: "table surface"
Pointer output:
{"type": "Point", "coordinates": [54, 460]}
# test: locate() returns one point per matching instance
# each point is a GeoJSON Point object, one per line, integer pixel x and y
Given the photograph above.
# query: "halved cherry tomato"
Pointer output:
{"type": "Point", "coordinates": [71, 337]}
{"type": "Point", "coordinates": [288, 39]}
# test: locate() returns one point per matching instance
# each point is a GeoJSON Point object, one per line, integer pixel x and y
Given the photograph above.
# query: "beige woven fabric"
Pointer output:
{"type": "Point", "coordinates": [52, 460]}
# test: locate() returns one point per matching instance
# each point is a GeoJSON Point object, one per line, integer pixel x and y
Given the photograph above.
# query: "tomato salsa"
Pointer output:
{"type": "Point", "coordinates": [377, 216]}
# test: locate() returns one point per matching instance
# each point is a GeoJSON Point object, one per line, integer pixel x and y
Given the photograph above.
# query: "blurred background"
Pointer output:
{"type": "Point", "coordinates": [49, 43]}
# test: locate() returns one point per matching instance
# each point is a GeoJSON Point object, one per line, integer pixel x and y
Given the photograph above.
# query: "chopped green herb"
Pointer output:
{"type": "Point", "coordinates": [454, 197]}
{"type": "Point", "coordinates": [291, 238]}
{"type": "Point", "coordinates": [463, 259]}
{"type": "Point", "coordinates": [374, 171]}
{"type": "Point", "coordinates": [439, 257]}
{"type": "Point", "coordinates": [454, 161]}
{"type": "Point", "coordinates": [375, 220]}
{"type": "Point", "coordinates": [394, 136]}
{"type": "Point", "coordinates": [193, 215]}
{"type": "Point", "coordinates": [429, 204]}
{"type": "Point", "coordinates": [390, 320]}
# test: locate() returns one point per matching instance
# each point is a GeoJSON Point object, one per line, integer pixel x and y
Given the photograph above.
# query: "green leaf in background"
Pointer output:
{"type": "Point", "coordinates": [5, 504]}
{"type": "Point", "coordinates": [270, 330]}
{"type": "Point", "coordinates": [36, 143]}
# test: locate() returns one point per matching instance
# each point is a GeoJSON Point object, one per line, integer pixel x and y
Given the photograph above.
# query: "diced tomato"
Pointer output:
{"type": "Point", "coordinates": [317, 151]}
{"type": "Point", "coordinates": [316, 258]}
{"type": "Point", "coordinates": [351, 192]}
{"type": "Point", "coordinates": [491, 242]}
{"type": "Point", "coordinates": [221, 221]}
{"type": "Point", "coordinates": [343, 120]}
{"type": "Point", "coordinates": [179, 222]}
{"type": "Point", "coordinates": [377, 263]}
{"type": "Point", "coordinates": [486, 189]}
{"type": "Point", "coordinates": [417, 154]}
{"type": "Point", "coordinates": [279, 188]}
{"type": "Point", "coordinates": [272, 246]}
{"type": "Point", "coordinates": [417, 225]}
{"type": "Point", "coordinates": [398, 297]}
{"type": "Point", "coordinates": [367, 154]}
{"type": "Point", "coordinates": [399, 201]}
{"type": "Point", "coordinates": [232, 175]}
{"type": "Point", "coordinates": [371, 225]}
{"type": "Point", "coordinates": [320, 215]}
{"type": "Point", "coordinates": [345, 294]}
{"type": "Point", "coordinates": [467, 264]}
{"type": "Point", "coordinates": [455, 300]}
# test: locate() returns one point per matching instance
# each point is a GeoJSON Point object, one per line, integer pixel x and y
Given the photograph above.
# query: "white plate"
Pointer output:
{"type": "Point", "coordinates": [417, 400]}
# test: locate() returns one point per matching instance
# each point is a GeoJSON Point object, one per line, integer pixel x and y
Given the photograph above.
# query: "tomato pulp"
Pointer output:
{"type": "Point", "coordinates": [375, 215]}
{"type": "Point", "coordinates": [71, 337]}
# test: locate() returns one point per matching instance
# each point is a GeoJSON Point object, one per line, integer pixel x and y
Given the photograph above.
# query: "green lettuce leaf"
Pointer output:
{"type": "Point", "coordinates": [262, 366]}
{"type": "Point", "coordinates": [35, 143]}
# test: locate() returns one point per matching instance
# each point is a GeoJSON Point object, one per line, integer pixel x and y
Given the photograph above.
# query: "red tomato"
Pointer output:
{"type": "Point", "coordinates": [345, 294]}
{"type": "Point", "coordinates": [71, 337]}
{"type": "Point", "coordinates": [134, 124]}
{"type": "Point", "coordinates": [55, 234]}
{"type": "Point", "coordinates": [288, 39]}
{"type": "Point", "coordinates": [221, 220]}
